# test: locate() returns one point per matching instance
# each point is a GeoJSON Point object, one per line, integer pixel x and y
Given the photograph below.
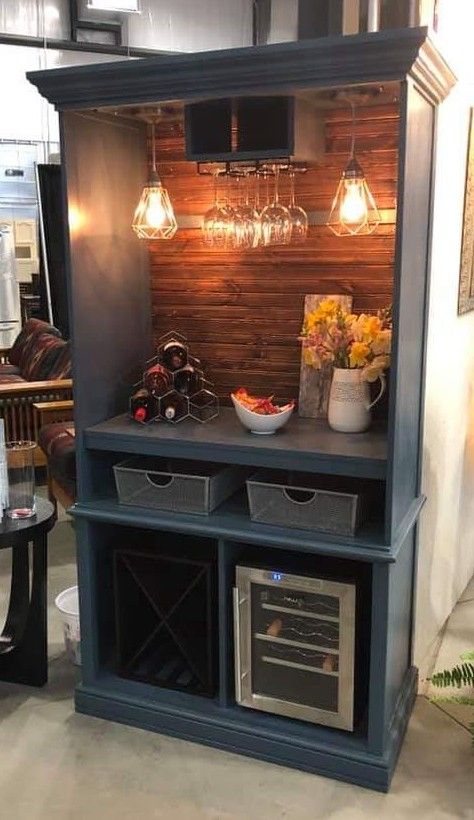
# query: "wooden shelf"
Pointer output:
{"type": "Point", "coordinates": [231, 521]}
{"type": "Point", "coordinates": [304, 444]}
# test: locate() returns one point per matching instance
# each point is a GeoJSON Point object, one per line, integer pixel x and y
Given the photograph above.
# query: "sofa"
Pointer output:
{"type": "Point", "coordinates": [35, 372]}
{"type": "Point", "coordinates": [57, 441]}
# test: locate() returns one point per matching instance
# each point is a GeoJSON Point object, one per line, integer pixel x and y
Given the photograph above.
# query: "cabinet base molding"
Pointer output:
{"type": "Point", "coordinates": [233, 730]}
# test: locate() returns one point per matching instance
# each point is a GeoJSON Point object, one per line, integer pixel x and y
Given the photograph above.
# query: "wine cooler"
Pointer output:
{"type": "Point", "coordinates": [294, 645]}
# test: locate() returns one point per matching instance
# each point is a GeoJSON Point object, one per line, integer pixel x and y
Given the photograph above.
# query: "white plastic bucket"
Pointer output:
{"type": "Point", "coordinates": [68, 604]}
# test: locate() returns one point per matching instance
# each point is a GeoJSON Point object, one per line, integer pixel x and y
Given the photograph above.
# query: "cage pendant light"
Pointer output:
{"type": "Point", "coordinates": [154, 216]}
{"type": "Point", "coordinates": [353, 210]}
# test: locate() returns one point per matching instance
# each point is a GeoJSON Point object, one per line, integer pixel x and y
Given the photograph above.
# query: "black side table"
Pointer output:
{"type": "Point", "coordinates": [24, 641]}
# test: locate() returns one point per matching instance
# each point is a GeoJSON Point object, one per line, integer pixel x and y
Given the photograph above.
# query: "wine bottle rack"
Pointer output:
{"type": "Point", "coordinates": [186, 399]}
{"type": "Point", "coordinates": [164, 614]}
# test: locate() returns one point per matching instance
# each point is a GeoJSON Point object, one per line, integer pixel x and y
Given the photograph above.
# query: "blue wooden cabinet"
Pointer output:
{"type": "Point", "coordinates": [104, 154]}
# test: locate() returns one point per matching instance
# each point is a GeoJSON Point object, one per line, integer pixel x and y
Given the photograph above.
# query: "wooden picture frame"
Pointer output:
{"type": "Point", "coordinates": [466, 274]}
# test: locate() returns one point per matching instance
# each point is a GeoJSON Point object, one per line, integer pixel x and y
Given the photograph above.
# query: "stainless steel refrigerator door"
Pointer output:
{"type": "Point", "coordinates": [9, 288]}
{"type": "Point", "coordinates": [283, 675]}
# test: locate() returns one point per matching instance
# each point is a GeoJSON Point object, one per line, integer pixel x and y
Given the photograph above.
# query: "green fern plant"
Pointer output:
{"type": "Point", "coordinates": [458, 676]}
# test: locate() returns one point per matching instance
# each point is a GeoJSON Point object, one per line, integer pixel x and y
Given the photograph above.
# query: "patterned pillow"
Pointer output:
{"type": "Point", "coordinates": [62, 367]}
{"type": "Point", "coordinates": [43, 352]}
{"type": "Point", "coordinates": [31, 328]}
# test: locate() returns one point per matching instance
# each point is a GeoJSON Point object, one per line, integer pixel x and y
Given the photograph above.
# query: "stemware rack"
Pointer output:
{"type": "Point", "coordinates": [239, 219]}
{"type": "Point", "coordinates": [242, 168]}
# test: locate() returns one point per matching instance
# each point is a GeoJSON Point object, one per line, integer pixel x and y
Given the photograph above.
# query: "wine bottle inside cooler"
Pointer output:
{"type": "Point", "coordinates": [174, 355]}
{"type": "Point", "coordinates": [174, 406]}
{"type": "Point", "coordinates": [143, 406]}
{"type": "Point", "coordinates": [188, 380]}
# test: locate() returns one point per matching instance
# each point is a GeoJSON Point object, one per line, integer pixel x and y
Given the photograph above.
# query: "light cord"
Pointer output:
{"type": "Point", "coordinates": [353, 109]}
{"type": "Point", "coordinates": [153, 147]}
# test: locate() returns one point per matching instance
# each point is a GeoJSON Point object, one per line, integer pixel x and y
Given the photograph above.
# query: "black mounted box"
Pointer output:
{"type": "Point", "coordinates": [208, 128]}
{"type": "Point", "coordinates": [252, 128]}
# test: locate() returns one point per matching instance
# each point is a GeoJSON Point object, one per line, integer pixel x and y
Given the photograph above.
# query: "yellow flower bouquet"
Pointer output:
{"type": "Point", "coordinates": [332, 336]}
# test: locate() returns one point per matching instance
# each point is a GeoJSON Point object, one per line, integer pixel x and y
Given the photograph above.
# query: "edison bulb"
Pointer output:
{"type": "Point", "coordinates": [353, 209]}
{"type": "Point", "coordinates": [155, 214]}
{"type": "Point", "coordinates": [353, 206]}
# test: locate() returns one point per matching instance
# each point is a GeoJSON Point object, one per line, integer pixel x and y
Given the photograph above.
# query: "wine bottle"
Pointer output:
{"type": "Point", "coordinates": [157, 380]}
{"type": "Point", "coordinates": [143, 406]}
{"type": "Point", "coordinates": [174, 406]}
{"type": "Point", "coordinates": [188, 380]}
{"type": "Point", "coordinates": [174, 355]}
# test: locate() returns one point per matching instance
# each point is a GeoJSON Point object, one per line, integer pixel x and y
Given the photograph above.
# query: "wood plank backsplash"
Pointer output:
{"type": "Point", "coordinates": [242, 310]}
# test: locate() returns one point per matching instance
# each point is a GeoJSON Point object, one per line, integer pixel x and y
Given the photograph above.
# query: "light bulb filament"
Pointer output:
{"type": "Point", "coordinates": [353, 209]}
{"type": "Point", "coordinates": [155, 214]}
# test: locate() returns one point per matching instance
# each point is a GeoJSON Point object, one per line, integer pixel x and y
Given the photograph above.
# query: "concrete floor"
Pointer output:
{"type": "Point", "coordinates": [56, 764]}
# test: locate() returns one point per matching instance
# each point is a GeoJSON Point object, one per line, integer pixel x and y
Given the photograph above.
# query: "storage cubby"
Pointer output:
{"type": "Point", "coordinates": [166, 614]}
{"type": "Point", "coordinates": [158, 607]}
{"type": "Point", "coordinates": [265, 125]}
{"type": "Point", "coordinates": [253, 128]}
{"type": "Point", "coordinates": [208, 128]}
{"type": "Point", "coordinates": [278, 565]}
{"type": "Point", "coordinates": [304, 447]}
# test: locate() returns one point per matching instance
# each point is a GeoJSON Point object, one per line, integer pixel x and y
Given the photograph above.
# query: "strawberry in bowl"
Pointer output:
{"type": "Point", "coordinates": [260, 415]}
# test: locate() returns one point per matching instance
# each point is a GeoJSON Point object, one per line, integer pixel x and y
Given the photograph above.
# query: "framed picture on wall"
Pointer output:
{"type": "Point", "coordinates": [466, 276]}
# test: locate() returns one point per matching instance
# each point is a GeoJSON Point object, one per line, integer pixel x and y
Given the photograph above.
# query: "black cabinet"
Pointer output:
{"type": "Point", "coordinates": [253, 128]}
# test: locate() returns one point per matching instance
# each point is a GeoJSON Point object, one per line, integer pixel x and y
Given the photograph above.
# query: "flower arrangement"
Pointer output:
{"type": "Point", "coordinates": [332, 336]}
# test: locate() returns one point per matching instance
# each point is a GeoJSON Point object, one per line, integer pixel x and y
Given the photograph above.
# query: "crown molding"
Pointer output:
{"type": "Point", "coordinates": [327, 62]}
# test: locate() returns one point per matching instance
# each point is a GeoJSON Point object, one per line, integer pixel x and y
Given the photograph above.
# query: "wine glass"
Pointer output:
{"type": "Point", "coordinates": [298, 216]}
{"type": "Point", "coordinates": [275, 219]}
{"type": "Point", "coordinates": [246, 219]}
{"type": "Point", "coordinates": [218, 222]}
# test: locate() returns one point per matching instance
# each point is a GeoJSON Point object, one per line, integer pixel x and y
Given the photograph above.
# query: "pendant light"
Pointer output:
{"type": "Point", "coordinates": [154, 216]}
{"type": "Point", "coordinates": [353, 210]}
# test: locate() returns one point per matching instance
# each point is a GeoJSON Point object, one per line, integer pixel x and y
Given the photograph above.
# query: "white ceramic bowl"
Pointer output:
{"type": "Point", "coordinates": [259, 424]}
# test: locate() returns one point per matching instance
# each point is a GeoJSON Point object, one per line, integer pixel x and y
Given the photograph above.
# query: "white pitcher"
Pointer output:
{"type": "Point", "coordinates": [349, 401]}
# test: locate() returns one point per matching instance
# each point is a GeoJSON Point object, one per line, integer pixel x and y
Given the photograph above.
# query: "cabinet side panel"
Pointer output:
{"type": "Point", "coordinates": [105, 169]}
{"type": "Point", "coordinates": [410, 292]}
{"type": "Point", "coordinates": [390, 648]}
{"type": "Point", "coordinates": [399, 625]}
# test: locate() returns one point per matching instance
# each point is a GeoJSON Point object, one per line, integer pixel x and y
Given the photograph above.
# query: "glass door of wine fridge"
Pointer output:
{"type": "Point", "coordinates": [294, 646]}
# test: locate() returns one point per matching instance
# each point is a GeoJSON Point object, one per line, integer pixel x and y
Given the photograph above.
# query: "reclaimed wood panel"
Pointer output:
{"type": "Point", "coordinates": [242, 311]}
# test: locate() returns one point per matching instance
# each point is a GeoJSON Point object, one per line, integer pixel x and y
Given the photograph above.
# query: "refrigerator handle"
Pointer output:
{"type": "Point", "coordinates": [237, 645]}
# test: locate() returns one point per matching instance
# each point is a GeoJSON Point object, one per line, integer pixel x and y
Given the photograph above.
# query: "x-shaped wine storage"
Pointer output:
{"type": "Point", "coordinates": [165, 620]}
